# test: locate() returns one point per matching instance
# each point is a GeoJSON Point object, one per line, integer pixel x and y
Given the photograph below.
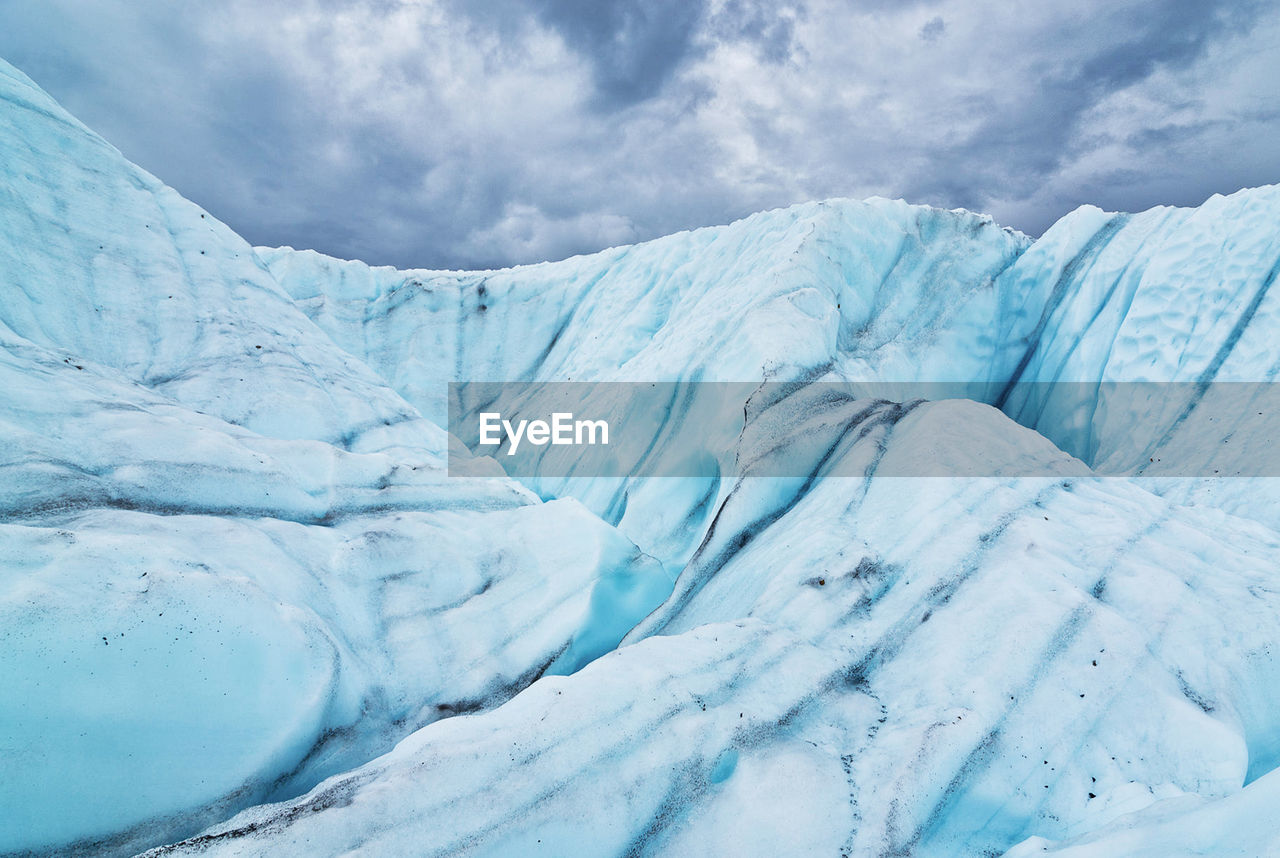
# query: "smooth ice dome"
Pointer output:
{"type": "Point", "coordinates": [244, 610]}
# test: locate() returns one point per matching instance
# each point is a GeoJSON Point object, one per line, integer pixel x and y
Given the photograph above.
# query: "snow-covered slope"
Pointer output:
{"type": "Point", "coordinates": [934, 296]}
{"type": "Point", "coordinates": [874, 291]}
{"type": "Point", "coordinates": [232, 563]}
{"type": "Point", "coordinates": [1168, 295]}
{"type": "Point", "coordinates": [866, 290]}
{"type": "Point", "coordinates": [842, 684]}
{"type": "Point", "coordinates": [1239, 825]}
{"type": "Point", "coordinates": [879, 288]}
{"type": "Point", "coordinates": [233, 570]}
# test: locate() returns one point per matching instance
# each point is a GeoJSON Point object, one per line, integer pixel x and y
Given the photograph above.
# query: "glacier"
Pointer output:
{"type": "Point", "coordinates": [248, 607]}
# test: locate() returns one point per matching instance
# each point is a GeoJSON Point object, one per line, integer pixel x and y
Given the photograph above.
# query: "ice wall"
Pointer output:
{"type": "Point", "coordinates": [230, 562]}
{"type": "Point", "coordinates": [234, 571]}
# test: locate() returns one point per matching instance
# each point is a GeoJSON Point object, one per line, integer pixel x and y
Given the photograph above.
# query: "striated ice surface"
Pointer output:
{"type": "Point", "coordinates": [950, 688]}
{"type": "Point", "coordinates": [232, 564]}
{"type": "Point", "coordinates": [241, 602]}
{"type": "Point", "coordinates": [1236, 825]}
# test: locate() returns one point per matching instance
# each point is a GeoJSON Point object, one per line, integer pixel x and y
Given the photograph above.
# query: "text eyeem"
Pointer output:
{"type": "Point", "coordinates": [563, 430]}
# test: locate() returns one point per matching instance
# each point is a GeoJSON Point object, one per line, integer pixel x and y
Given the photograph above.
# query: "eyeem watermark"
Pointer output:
{"type": "Point", "coordinates": [818, 429]}
{"type": "Point", "coordinates": [563, 431]}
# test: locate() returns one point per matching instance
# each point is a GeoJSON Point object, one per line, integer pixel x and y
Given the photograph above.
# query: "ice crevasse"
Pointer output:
{"type": "Point", "coordinates": [243, 610]}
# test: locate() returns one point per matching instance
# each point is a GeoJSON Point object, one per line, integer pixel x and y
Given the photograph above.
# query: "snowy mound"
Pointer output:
{"type": "Point", "coordinates": [232, 562]}
{"type": "Point", "coordinates": [242, 603]}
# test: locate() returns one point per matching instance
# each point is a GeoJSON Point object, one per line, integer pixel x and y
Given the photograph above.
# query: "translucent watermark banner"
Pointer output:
{"type": "Point", "coordinates": [888, 429]}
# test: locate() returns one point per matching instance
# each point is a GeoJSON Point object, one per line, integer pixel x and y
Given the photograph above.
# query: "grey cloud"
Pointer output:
{"type": "Point", "coordinates": [933, 29]}
{"type": "Point", "coordinates": [491, 132]}
{"type": "Point", "coordinates": [758, 22]}
{"type": "Point", "coordinates": [634, 47]}
{"type": "Point", "coordinates": [1013, 152]}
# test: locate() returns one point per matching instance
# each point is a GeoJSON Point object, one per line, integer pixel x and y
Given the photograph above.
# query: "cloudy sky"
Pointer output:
{"type": "Point", "coordinates": [465, 133]}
